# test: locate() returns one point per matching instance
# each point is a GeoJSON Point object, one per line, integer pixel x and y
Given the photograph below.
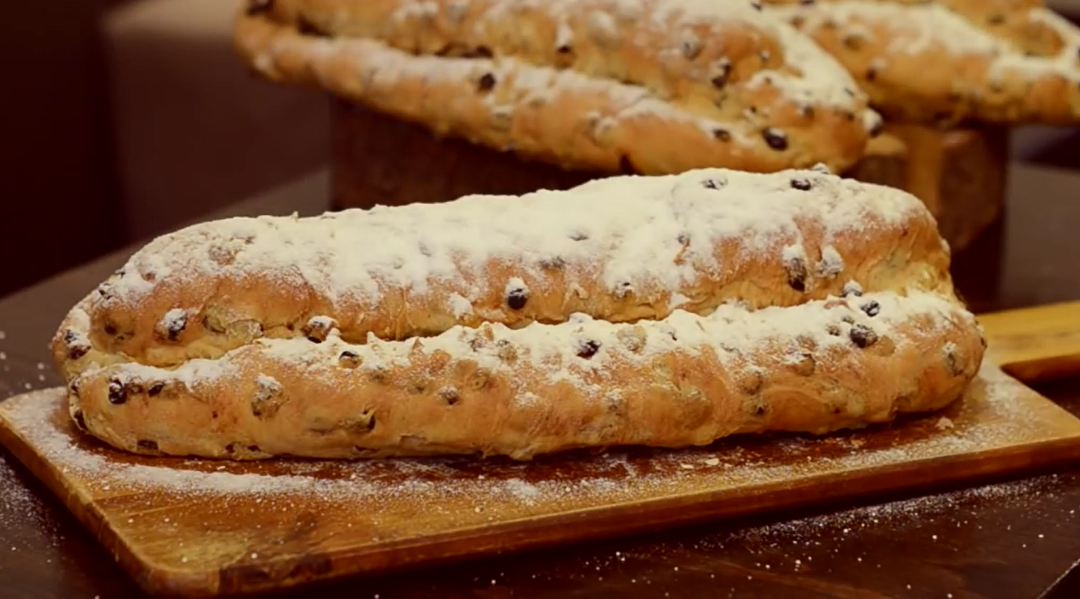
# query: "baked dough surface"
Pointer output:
{"type": "Point", "coordinates": [948, 61]}
{"type": "Point", "coordinates": [633, 86]}
{"type": "Point", "coordinates": [665, 311]}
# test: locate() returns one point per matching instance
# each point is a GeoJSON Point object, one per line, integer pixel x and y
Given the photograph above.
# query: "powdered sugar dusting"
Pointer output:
{"type": "Point", "coordinates": [932, 28]}
{"type": "Point", "coordinates": [818, 76]}
{"type": "Point", "coordinates": [733, 333]}
{"type": "Point", "coordinates": [637, 223]}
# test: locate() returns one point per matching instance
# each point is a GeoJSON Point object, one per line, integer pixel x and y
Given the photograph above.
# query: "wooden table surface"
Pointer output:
{"type": "Point", "coordinates": [1017, 538]}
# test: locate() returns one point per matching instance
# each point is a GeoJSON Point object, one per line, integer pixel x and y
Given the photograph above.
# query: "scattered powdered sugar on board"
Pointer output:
{"type": "Point", "coordinates": [897, 514]}
{"type": "Point", "coordinates": [20, 511]}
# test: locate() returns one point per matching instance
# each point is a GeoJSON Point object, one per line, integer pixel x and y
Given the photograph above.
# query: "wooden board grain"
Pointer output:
{"type": "Point", "coordinates": [961, 174]}
{"type": "Point", "coordinates": [204, 528]}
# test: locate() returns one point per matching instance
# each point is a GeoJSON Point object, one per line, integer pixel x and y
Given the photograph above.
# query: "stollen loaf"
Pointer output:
{"type": "Point", "coordinates": [951, 61]}
{"type": "Point", "coordinates": [632, 86]}
{"type": "Point", "coordinates": [634, 310]}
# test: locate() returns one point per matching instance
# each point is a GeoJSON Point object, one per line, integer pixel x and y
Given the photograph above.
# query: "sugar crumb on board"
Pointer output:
{"type": "Point", "coordinates": [21, 511]}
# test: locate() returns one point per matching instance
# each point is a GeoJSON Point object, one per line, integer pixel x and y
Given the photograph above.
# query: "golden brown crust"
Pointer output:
{"type": "Point", "coordinates": [812, 368]}
{"type": "Point", "coordinates": [948, 61]}
{"type": "Point", "coordinates": [250, 338]}
{"type": "Point", "coordinates": [578, 84]}
{"type": "Point", "coordinates": [620, 249]}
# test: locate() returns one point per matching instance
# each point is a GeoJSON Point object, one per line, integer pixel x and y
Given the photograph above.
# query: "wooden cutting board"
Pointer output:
{"type": "Point", "coordinates": [204, 528]}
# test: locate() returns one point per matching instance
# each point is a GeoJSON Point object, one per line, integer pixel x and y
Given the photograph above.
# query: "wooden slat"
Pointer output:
{"type": "Point", "coordinates": [1036, 344]}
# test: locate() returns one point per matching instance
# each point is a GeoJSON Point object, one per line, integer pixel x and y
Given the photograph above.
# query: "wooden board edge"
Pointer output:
{"type": "Point", "coordinates": [1035, 344]}
{"type": "Point", "coordinates": [611, 522]}
{"type": "Point", "coordinates": [906, 478]}
{"type": "Point", "coordinates": [154, 580]}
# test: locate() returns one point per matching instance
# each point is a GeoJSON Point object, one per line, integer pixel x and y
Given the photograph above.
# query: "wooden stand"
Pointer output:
{"type": "Point", "coordinates": [960, 174]}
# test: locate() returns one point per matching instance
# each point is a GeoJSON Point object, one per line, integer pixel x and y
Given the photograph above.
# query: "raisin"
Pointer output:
{"type": "Point", "coordinates": [721, 134]}
{"type": "Point", "coordinates": [796, 273]}
{"type": "Point", "coordinates": [258, 7]}
{"type": "Point", "coordinates": [517, 298]}
{"type": "Point", "coordinates": [691, 49]}
{"type": "Point", "coordinates": [117, 392]}
{"type": "Point", "coordinates": [775, 139]}
{"type": "Point", "coordinates": [147, 445]}
{"type": "Point", "coordinates": [721, 80]}
{"type": "Point", "coordinates": [556, 263]}
{"type": "Point", "coordinates": [110, 329]}
{"type": "Point", "coordinates": [801, 184]}
{"type": "Point", "coordinates": [364, 423]}
{"type": "Point", "coordinates": [872, 308]}
{"type": "Point", "coordinates": [863, 336]}
{"type": "Point", "coordinates": [952, 361]}
{"type": "Point", "coordinates": [486, 82]}
{"type": "Point", "coordinates": [588, 348]}
{"type": "Point", "coordinates": [156, 389]}
{"type": "Point", "coordinates": [175, 326]}
{"type": "Point", "coordinates": [318, 328]}
{"type": "Point", "coordinates": [306, 27]}
{"type": "Point", "coordinates": [449, 395]}
{"type": "Point", "coordinates": [349, 359]}
{"type": "Point", "coordinates": [77, 351]}
{"type": "Point", "coordinates": [851, 288]}
{"type": "Point", "coordinates": [877, 128]}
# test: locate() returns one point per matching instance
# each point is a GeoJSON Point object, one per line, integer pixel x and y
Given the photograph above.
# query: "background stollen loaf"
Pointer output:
{"type": "Point", "coordinates": [951, 61]}
{"type": "Point", "coordinates": [647, 86]}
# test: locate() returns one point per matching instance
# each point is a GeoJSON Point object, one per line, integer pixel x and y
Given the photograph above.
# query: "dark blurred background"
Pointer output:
{"type": "Point", "coordinates": [122, 119]}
